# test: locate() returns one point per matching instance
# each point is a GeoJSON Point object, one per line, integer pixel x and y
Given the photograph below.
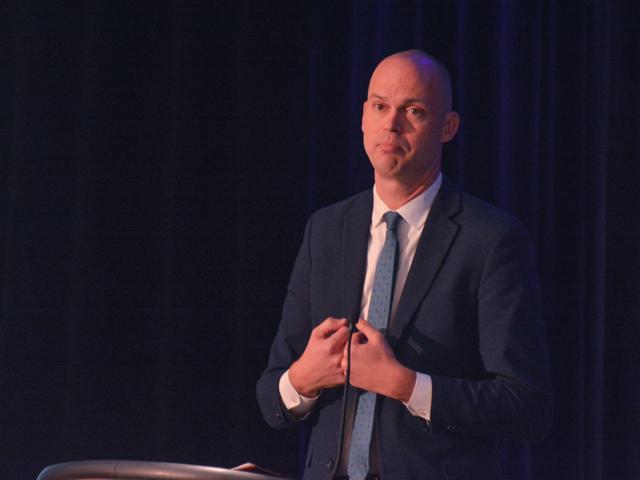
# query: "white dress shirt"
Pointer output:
{"type": "Point", "coordinates": [414, 215]}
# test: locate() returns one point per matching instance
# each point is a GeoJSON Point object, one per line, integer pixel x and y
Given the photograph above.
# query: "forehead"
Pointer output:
{"type": "Point", "coordinates": [402, 78]}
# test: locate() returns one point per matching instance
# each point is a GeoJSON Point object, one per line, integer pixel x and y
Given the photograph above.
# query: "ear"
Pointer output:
{"type": "Point", "coordinates": [450, 126]}
{"type": "Point", "coordinates": [364, 109]}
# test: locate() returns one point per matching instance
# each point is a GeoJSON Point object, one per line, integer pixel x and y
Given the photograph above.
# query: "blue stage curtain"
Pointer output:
{"type": "Point", "coordinates": [158, 161]}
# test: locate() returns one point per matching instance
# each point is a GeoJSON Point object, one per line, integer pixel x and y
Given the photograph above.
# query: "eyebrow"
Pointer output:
{"type": "Point", "coordinates": [405, 102]}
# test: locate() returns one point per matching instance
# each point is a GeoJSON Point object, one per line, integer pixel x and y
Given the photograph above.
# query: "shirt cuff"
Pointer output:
{"type": "Point", "coordinates": [297, 404]}
{"type": "Point", "coordinates": [420, 402]}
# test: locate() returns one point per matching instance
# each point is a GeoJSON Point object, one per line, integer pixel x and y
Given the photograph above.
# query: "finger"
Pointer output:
{"type": "Point", "coordinates": [328, 326]}
{"type": "Point", "coordinates": [349, 341]}
{"type": "Point", "coordinates": [339, 337]}
{"type": "Point", "coordinates": [343, 365]}
{"type": "Point", "coordinates": [366, 328]}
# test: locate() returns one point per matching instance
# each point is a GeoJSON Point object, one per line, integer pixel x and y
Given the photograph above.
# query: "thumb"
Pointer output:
{"type": "Point", "coordinates": [366, 328]}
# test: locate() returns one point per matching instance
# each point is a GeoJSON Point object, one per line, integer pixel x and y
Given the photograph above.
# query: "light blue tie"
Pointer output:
{"type": "Point", "coordinates": [379, 309]}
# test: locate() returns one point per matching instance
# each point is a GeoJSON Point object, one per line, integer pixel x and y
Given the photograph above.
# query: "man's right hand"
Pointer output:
{"type": "Point", "coordinates": [319, 366]}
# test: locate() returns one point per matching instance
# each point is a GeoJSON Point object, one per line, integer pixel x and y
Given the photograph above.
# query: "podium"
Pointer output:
{"type": "Point", "coordinates": [133, 470]}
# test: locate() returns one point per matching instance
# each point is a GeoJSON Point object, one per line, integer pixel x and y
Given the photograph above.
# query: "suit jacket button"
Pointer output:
{"type": "Point", "coordinates": [278, 415]}
{"type": "Point", "coordinates": [329, 464]}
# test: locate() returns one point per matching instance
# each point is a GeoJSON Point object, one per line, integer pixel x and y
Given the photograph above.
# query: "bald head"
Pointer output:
{"type": "Point", "coordinates": [429, 68]}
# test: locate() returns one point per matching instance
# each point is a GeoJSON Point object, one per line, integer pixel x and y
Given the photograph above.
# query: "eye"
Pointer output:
{"type": "Point", "coordinates": [378, 106]}
{"type": "Point", "coordinates": [416, 112]}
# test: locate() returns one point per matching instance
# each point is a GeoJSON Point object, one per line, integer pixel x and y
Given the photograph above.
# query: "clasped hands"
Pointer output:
{"type": "Point", "coordinates": [374, 367]}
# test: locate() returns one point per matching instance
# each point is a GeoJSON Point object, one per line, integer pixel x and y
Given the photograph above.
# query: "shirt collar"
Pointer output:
{"type": "Point", "coordinates": [414, 212]}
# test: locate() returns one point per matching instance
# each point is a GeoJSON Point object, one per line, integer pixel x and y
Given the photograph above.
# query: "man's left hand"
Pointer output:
{"type": "Point", "coordinates": [375, 368]}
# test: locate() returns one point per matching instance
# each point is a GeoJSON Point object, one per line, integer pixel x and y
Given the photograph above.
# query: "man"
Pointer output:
{"type": "Point", "coordinates": [458, 360]}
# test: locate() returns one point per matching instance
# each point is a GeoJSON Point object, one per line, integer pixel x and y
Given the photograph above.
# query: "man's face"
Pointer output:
{"type": "Point", "coordinates": [404, 122]}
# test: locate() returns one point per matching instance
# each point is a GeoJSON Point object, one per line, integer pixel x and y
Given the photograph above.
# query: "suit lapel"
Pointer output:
{"type": "Point", "coordinates": [437, 237]}
{"type": "Point", "coordinates": [355, 237]}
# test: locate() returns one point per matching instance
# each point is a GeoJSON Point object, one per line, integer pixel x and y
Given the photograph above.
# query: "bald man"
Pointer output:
{"type": "Point", "coordinates": [460, 362]}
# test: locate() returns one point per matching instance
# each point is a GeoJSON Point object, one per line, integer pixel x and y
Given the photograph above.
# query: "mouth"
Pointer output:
{"type": "Point", "coordinates": [390, 147]}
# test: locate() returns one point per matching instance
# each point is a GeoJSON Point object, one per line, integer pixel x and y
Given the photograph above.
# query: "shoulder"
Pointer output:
{"type": "Point", "coordinates": [334, 215]}
{"type": "Point", "coordinates": [485, 214]}
{"type": "Point", "coordinates": [471, 213]}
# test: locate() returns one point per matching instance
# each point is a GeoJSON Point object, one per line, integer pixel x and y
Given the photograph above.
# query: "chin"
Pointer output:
{"type": "Point", "coordinates": [386, 162]}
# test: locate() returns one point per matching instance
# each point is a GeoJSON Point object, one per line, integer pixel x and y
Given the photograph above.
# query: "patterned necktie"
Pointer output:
{"type": "Point", "coordinates": [379, 309]}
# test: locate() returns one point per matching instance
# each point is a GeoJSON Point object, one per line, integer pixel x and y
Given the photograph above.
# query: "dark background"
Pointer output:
{"type": "Point", "coordinates": [158, 162]}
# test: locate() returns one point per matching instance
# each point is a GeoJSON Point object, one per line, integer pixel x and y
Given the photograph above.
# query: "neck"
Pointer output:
{"type": "Point", "coordinates": [395, 193]}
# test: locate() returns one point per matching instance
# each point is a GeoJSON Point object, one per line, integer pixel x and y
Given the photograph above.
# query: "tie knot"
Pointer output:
{"type": "Point", "coordinates": [392, 220]}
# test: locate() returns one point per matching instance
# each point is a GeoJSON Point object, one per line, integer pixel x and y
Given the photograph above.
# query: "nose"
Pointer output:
{"type": "Point", "coordinates": [393, 121]}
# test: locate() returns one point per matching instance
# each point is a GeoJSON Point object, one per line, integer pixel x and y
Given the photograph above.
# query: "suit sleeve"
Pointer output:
{"type": "Point", "coordinates": [290, 341]}
{"type": "Point", "coordinates": [513, 398]}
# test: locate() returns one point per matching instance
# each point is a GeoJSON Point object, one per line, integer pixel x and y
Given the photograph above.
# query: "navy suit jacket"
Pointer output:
{"type": "Point", "coordinates": [469, 316]}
